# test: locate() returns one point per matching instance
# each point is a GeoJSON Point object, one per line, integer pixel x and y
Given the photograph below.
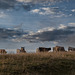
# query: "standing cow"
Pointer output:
{"type": "Point", "coordinates": [2, 51]}
{"type": "Point", "coordinates": [58, 49]}
{"type": "Point", "coordinates": [22, 50]}
{"type": "Point", "coordinates": [43, 49]}
{"type": "Point", "coordinates": [71, 49]}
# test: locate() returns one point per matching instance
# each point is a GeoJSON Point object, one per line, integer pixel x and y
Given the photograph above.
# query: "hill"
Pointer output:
{"type": "Point", "coordinates": [61, 63]}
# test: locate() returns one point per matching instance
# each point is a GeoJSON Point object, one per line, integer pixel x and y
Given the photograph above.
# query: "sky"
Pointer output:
{"type": "Point", "coordinates": [36, 23]}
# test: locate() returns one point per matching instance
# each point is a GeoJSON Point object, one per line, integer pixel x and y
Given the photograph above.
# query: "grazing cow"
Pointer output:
{"type": "Point", "coordinates": [71, 49]}
{"type": "Point", "coordinates": [22, 50]}
{"type": "Point", "coordinates": [2, 51]}
{"type": "Point", "coordinates": [58, 49]}
{"type": "Point", "coordinates": [43, 49]}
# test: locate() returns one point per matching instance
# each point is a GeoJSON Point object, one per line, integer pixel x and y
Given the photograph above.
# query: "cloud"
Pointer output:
{"type": "Point", "coordinates": [62, 26]}
{"type": "Point", "coordinates": [41, 1]}
{"type": "Point", "coordinates": [71, 24]}
{"type": "Point", "coordinates": [46, 29]}
{"type": "Point", "coordinates": [26, 4]}
{"type": "Point", "coordinates": [24, 0]}
{"type": "Point", "coordinates": [35, 11]}
{"type": "Point", "coordinates": [43, 11]}
{"type": "Point", "coordinates": [2, 15]}
{"type": "Point", "coordinates": [42, 35]}
{"type": "Point", "coordinates": [5, 4]}
{"type": "Point", "coordinates": [47, 11]}
{"type": "Point", "coordinates": [73, 10]}
{"type": "Point", "coordinates": [20, 0]}
{"type": "Point", "coordinates": [51, 35]}
{"type": "Point", "coordinates": [55, 42]}
{"type": "Point", "coordinates": [10, 34]}
{"type": "Point", "coordinates": [54, 12]}
{"type": "Point", "coordinates": [14, 4]}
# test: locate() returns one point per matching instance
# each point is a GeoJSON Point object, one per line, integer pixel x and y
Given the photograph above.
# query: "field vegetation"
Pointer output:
{"type": "Point", "coordinates": [60, 63]}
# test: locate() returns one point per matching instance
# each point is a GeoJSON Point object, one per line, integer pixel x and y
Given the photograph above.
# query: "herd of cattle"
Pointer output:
{"type": "Point", "coordinates": [41, 49]}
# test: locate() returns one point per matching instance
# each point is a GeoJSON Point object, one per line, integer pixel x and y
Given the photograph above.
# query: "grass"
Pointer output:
{"type": "Point", "coordinates": [61, 63]}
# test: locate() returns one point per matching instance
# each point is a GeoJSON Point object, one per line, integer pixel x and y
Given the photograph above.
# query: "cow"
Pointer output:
{"type": "Point", "coordinates": [71, 49]}
{"type": "Point", "coordinates": [58, 49]}
{"type": "Point", "coordinates": [18, 51]}
{"type": "Point", "coordinates": [3, 51]}
{"type": "Point", "coordinates": [22, 50]}
{"type": "Point", "coordinates": [43, 49]}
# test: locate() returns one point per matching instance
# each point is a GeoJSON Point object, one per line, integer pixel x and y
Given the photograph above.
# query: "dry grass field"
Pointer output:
{"type": "Point", "coordinates": [60, 63]}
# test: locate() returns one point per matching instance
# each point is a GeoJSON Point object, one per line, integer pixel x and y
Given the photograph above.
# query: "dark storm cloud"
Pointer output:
{"type": "Point", "coordinates": [28, 7]}
{"type": "Point", "coordinates": [9, 34]}
{"type": "Point", "coordinates": [6, 4]}
{"type": "Point", "coordinates": [44, 35]}
{"type": "Point", "coordinates": [13, 4]}
{"type": "Point", "coordinates": [56, 34]}
{"type": "Point", "coordinates": [26, 4]}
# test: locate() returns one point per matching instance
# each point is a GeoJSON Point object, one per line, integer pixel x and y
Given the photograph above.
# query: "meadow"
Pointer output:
{"type": "Point", "coordinates": [60, 63]}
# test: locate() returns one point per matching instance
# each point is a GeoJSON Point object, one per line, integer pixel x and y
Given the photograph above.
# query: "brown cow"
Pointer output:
{"type": "Point", "coordinates": [2, 51]}
{"type": "Point", "coordinates": [43, 49]}
{"type": "Point", "coordinates": [71, 49]}
{"type": "Point", "coordinates": [18, 50]}
{"type": "Point", "coordinates": [22, 50]}
{"type": "Point", "coordinates": [58, 49]}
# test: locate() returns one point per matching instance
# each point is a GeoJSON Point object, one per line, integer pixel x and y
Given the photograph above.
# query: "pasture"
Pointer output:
{"type": "Point", "coordinates": [52, 63]}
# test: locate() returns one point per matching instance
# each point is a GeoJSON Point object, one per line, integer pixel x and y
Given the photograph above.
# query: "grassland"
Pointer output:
{"type": "Point", "coordinates": [61, 63]}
